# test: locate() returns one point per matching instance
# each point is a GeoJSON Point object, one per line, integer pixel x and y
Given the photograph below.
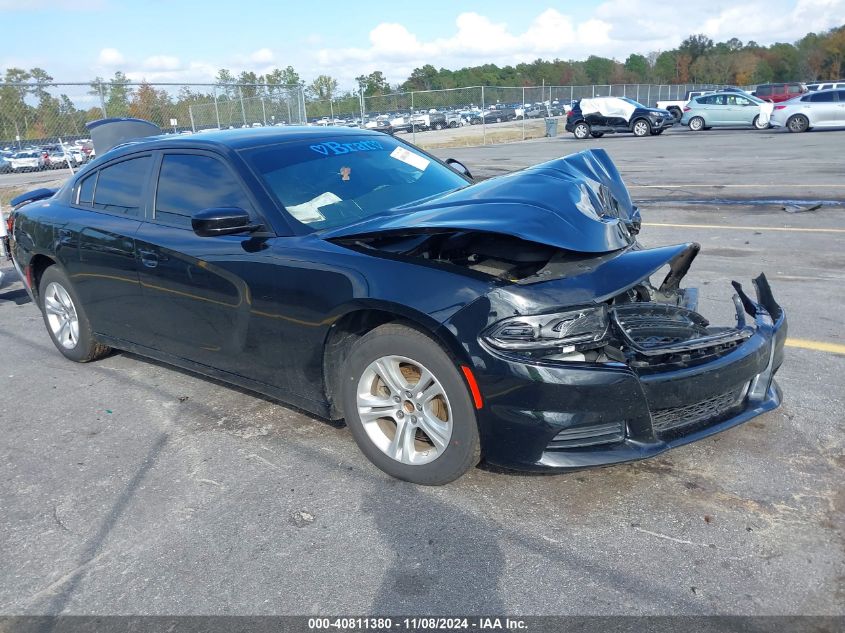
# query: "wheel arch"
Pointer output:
{"type": "Point", "coordinates": [641, 118]}
{"type": "Point", "coordinates": [360, 320]}
{"type": "Point", "coordinates": [36, 266]}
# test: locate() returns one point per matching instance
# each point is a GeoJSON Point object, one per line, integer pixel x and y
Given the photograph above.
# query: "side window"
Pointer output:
{"type": "Point", "coordinates": [764, 91]}
{"type": "Point", "coordinates": [793, 89]}
{"type": "Point", "coordinates": [822, 97]}
{"type": "Point", "coordinates": [119, 187]}
{"type": "Point", "coordinates": [841, 95]}
{"type": "Point", "coordinates": [189, 183]}
{"type": "Point", "coordinates": [742, 101]}
{"type": "Point", "coordinates": [85, 191]}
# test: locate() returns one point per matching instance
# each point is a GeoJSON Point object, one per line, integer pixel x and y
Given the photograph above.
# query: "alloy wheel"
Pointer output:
{"type": "Point", "coordinates": [404, 410]}
{"type": "Point", "coordinates": [61, 315]}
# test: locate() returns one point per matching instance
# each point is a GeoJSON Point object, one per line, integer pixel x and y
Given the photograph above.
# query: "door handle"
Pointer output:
{"type": "Point", "coordinates": [148, 258]}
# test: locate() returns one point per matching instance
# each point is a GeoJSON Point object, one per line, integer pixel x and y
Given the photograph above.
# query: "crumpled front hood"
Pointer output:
{"type": "Point", "coordinates": [578, 203]}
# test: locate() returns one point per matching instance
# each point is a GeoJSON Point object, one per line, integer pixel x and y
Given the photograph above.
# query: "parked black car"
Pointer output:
{"type": "Point", "coordinates": [498, 115]}
{"type": "Point", "coordinates": [355, 276]}
{"type": "Point", "coordinates": [610, 115]}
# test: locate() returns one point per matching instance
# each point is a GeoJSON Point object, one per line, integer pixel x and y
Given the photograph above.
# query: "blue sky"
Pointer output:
{"type": "Point", "coordinates": [190, 40]}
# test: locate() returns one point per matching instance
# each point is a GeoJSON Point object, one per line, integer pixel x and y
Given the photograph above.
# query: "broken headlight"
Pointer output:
{"type": "Point", "coordinates": [584, 328]}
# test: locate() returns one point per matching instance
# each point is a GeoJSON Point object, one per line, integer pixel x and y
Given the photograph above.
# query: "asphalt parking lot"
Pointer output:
{"type": "Point", "coordinates": [131, 487]}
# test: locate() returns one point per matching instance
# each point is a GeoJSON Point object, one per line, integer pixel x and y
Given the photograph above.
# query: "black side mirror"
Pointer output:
{"type": "Point", "coordinates": [459, 167]}
{"type": "Point", "coordinates": [222, 221]}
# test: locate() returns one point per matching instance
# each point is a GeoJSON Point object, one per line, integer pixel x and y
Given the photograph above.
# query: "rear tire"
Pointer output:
{"type": "Point", "coordinates": [388, 364]}
{"type": "Point", "coordinates": [798, 123]}
{"type": "Point", "coordinates": [696, 124]}
{"type": "Point", "coordinates": [65, 318]}
{"type": "Point", "coordinates": [581, 131]}
{"type": "Point", "coordinates": [676, 112]}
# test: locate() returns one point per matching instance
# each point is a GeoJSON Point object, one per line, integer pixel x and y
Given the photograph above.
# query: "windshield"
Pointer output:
{"type": "Point", "coordinates": [337, 182]}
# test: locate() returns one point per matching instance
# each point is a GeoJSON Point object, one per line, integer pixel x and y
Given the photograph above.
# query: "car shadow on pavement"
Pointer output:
{"type": "Point", "coordinates": [429, 544]}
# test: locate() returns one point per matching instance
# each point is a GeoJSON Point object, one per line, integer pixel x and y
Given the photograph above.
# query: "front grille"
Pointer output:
{"type": "Point", "coordinates": [698, 414]}
{"type": "Point", "coordinates": [581, 436]}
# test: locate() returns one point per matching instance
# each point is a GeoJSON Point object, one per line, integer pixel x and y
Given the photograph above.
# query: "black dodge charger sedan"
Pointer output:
{"type": "Point", "coordinates": [353, 275]}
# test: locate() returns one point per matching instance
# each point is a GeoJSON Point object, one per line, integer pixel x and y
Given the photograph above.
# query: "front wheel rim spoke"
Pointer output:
{"type": "Point", "coordinates": [435, 429]}
{"type": "Point", "coordinates": [388, 371]}
{"type": "Point", "coordinates": [397, 446]}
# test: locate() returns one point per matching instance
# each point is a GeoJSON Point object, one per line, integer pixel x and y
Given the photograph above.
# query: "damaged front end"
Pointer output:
{"type": "Point", "coordinates": [585, 353]}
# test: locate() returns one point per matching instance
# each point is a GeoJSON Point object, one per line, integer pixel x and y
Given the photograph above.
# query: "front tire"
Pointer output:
{"type": "Point", "coordinates": [798, 123]}
{"type": "Point", "coordinates": [759, 126]}
{"type": "Point", "coordinates": [696, 124]}
{"type": "Point", "coordinates": [581, 130]}
{"type": "Point", "coordinates": [65, 318]}
{"type": "Point", "coordinates": [408, 408]}
{"type": "Point", "coordinates": [641, 128]}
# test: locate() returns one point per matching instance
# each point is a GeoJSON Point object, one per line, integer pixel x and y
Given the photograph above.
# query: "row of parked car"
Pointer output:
{"type": "Point", "coordinates": [810, 106]}
{"type": "Point", "coordinates": [46, 157]}
{"type": "Point", "coordinates": [440, 119]}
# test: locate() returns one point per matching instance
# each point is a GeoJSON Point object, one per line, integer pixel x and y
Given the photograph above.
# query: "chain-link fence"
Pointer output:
{"type": "Point", "coordinates": [34, 115]}
{"type": "Point", "coordinates": [38, 117]}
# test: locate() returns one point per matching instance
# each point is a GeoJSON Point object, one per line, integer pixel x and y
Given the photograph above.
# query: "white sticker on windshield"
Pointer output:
{"type": "Point", "coordinates": [308, 212]}
{"type": "Point", "coordinates": [409, 158]}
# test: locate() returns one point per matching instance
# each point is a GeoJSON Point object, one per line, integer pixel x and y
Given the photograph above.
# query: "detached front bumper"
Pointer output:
{"type": "Point", "coordinates": [555, 415]}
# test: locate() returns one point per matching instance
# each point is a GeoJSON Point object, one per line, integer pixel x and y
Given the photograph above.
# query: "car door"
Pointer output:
{"type": "Point", "coordinates": [195, 286]}
{"type": "Point", "coordinates": [746, 110]}
{"type": "Point", "coordinates": [729, 110]}
{"type": "Point", "coordinates": [839, 119]}
{"type": "Point", "coordinates": [96, 245]}
{"type": "Point", "coordinates": [822, 108]}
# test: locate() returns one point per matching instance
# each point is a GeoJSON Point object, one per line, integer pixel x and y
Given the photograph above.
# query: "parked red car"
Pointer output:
{"type": "Point", "coordinates": [779, 92]}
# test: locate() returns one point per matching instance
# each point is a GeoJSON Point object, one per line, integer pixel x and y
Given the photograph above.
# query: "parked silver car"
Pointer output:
{"type": "Point", "coordinates": [726, 109]}
{"type": "Point", "coordinates": [820, 109]}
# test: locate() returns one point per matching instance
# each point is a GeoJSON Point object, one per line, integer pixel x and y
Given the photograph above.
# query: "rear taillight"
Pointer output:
{"type": "Point", "coordinates": [569, 114]}
{"type": "Point", "coordinates": [10, 223]}
{"type": "Point", "coordinates": [779, 107]}
{"type": "Point", "coordinates": [687, 108]}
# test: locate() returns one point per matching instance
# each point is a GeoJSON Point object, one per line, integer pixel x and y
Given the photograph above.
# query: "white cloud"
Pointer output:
{"type": "Point", "coordinates": [110, 57]}
{"type": "Point", "coordinates": [262, 56]}
{"type": "Point", "coordinates": [615, 28]}
{"type": "Point", "coordinates": [162, 62]}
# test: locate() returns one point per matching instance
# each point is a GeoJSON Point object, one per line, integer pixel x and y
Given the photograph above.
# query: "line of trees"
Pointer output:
{"type": "Point", "coordinates": [32, 111]}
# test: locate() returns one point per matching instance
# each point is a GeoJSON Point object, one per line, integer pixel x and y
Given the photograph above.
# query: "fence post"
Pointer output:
{"type": "Point", "coordinates": [191, 115]}
{"type": "Point", "coordinates": [102, 100]}
{"type": "Point", "coordinates": [483, 120]}
{"type": "Point", "coordinates": [413, 125]}
{"type": "Point", "coordinates": [216, 109]}
{"type": "Point", "coordinates": [241, 98]}
{"type": "Point", "coordinates": [263, 111]}
{"type": "Point", "coordinates": [304, 109]}
{"type": "Point", "coordinates": [523, 113]}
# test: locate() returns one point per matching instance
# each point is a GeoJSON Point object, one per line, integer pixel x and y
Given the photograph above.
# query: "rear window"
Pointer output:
{"type": "Point", "coordinates": [820, 97]}
{"type": "Point", "coordinates": [335, 182]}
{"type": "Point", "coordinates": [120, 187]}
{"type": "Point", "coordinates": [85, 195]}
{"type": "Point", "coordinates": [764, 90]}
{"type": "Point", "coordinates": [794, 89]}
